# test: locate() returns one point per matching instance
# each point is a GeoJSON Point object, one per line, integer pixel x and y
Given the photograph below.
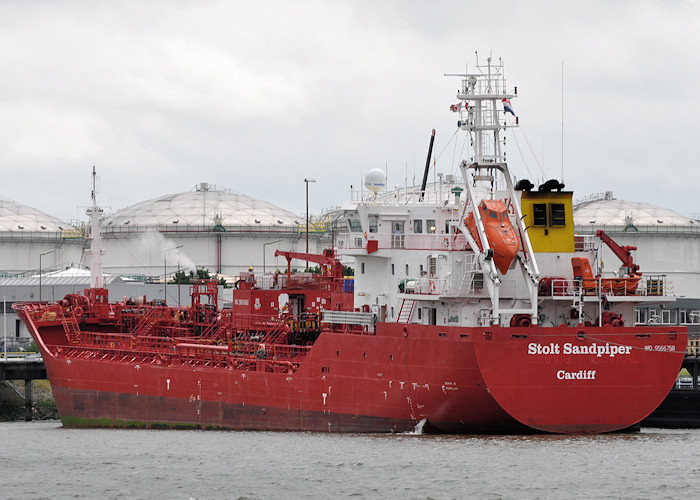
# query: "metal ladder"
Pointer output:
{"type": "Point", "coordinates": [71, 327]}
{"type": "Point", "coordinates": [149, 319]}
{"type": "Point", "coordinates": [406, 310]}
{"type": "Point", "coordinates": [276, 334]}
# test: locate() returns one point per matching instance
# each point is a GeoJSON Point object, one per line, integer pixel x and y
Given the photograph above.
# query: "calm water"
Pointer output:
{"type": "Point", "coordinates": [45, 460]}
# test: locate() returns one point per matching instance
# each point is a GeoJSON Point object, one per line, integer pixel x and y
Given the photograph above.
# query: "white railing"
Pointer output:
{"type": "Point", "coordinates": [648, 286]}
{"type": "Point", "coordinates": [423, 286]}
{"type": "Point", "coordinates": [453, 286]}
{"type": "Point", "coordinates": [349, 318]}
{"type": "Point", "coordinates": [403, 241]}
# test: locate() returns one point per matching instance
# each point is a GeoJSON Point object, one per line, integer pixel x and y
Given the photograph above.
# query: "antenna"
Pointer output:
{"type": "Point", "coordinates": [562, 121]}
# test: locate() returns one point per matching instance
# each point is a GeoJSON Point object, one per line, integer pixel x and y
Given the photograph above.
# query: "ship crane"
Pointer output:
{"type": "Point", "coordinates": [624, 253]}
{"type": "Point", "coordinates": [329, 264]}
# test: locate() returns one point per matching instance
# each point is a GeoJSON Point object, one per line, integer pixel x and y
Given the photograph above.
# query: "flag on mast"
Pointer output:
{"type": "Point", "coordinates": [507, 107]}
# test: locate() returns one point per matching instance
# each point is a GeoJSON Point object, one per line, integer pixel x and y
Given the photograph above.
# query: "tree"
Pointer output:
{"type": "Point", "coordinates": [202, 274]}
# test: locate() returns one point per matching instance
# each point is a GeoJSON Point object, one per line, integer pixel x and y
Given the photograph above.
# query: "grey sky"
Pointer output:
{"type": "Point", "coordinates": [256, 96]}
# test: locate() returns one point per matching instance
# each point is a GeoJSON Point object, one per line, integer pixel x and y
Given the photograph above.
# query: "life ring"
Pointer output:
{"type": "Point", "coordinates": [432, 286]}
{"type": "Point", "coordinates": [446, 242]}
{"type": "Point", "coordinates": [78, 311]}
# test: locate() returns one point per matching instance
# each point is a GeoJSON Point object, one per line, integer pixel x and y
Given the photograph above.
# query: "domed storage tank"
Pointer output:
{"type": "Point", "coordinates": [28, 236]}
{"type": "Point", "coordinates": [667, 243]}
{"type": "Point", "coordinates": [220, 230]}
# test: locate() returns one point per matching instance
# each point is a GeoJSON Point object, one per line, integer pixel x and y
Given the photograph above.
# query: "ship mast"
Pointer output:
{"type": "Point", "coordinates": [94, 212]}
{"type": "Point", "coordinates": [485, 99]}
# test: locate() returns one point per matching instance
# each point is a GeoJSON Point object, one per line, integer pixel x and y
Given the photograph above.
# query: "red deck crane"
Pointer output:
{"type": "Point", "coordinates": [624, 253]}
{"type": "Point", "coordinates": [327, 261]}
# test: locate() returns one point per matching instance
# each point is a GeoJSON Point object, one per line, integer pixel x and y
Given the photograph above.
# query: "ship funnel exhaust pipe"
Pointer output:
{"type": "Point", "coordinates": [427, 166]}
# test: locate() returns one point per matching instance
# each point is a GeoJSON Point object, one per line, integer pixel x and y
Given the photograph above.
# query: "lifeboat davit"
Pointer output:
{"type": "Point", "coordinates": [499, 232]}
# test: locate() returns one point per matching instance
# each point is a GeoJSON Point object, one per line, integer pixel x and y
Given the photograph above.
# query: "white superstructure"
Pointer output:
{"type": "Point", "coordinates": [416, 261]}
{"type": "Point", "coordinates": [466, 257]}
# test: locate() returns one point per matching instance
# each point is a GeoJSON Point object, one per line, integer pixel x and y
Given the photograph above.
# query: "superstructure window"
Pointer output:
{"type": "Point", "coordinates": [431, 225]}
{"type": "Point", "coordinates": [641, 316]}
{"type": "Point", "coordinates": [653, 316]}
{"type": "Point", "coordinates": [355, 226]}
{"type": "Point", "coordinates": [417, 226]}
{"type": "Point", "coordinates": [373, 223]}
{"type": "Point", "coordinates": [539, 214]}
{"type": "Point", "coordinates": [690, 317]}
{"type": "Point", "coordinates": [669, 317]}
{"type": "Point", "coordinates": [557, 214]}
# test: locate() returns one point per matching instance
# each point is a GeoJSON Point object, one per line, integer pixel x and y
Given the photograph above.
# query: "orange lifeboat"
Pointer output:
{"type": "Point", "coordinates": [613, 286]}
{"type": "Point", "coordinates": [499, 232]}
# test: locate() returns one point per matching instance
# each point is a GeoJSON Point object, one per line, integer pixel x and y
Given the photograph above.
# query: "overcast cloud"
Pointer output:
{"type": "Point", "coordinates": [256, 96]}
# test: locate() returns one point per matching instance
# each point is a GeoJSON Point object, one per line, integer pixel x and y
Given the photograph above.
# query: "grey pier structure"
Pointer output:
{"type": "Point", "coordinates": [27, 369]}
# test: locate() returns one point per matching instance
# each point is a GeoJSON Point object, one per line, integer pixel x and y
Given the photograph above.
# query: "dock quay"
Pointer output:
{"type": "Point", "coordinates": [26, 368]}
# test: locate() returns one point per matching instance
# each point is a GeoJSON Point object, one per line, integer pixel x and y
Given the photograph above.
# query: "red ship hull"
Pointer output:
{"type": "Point", "coordinates": [459, 380]}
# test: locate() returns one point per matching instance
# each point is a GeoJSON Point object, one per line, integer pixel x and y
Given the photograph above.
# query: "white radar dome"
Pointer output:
{"type": "Point", "coordinates": [375, 180]}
